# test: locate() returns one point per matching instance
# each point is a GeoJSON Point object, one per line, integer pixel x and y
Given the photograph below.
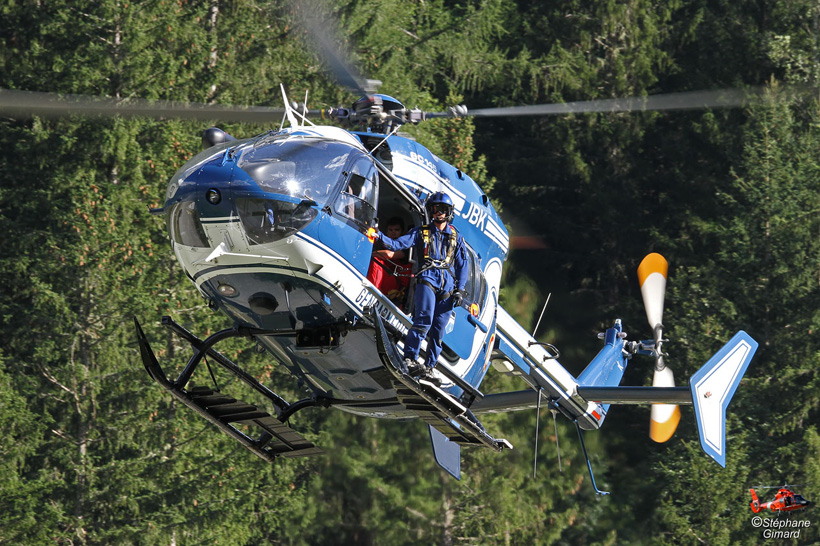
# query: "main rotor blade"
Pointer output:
{"type": "Point", "coordinates": [52, 105]}
{"type": "Point", "coordinates": [321, 33]}
{"type": "Point", "coordinates": [689, 100]}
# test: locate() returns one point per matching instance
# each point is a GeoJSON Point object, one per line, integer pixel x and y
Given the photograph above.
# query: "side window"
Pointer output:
{"type": "Point", "coordinates": [360, 194]}
{"type": "Point", "coordinates": [185, 227]}
{"type": "Point", "coordinates": [476, 287]}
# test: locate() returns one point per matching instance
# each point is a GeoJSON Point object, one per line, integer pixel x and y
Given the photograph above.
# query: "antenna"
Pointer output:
{"type": "Point", "coordinates": [304, 119]}
{"type": "Point", "coordinates": [305, 108]}
{"type": "Point", "coordinates": [537, 324]}
{"type": "Point", "coordinates": [537, 418]}
{"type": "Point", "coordinates": [555, 425]}
{"type": "Point", "coordinates": [538, 410]}
{"type": "Point", "coordinates": [288, 109]}
{"type": "Point", "coordinates": [382, 141]}
{"type": "Point", "coordinates": [557, 444]}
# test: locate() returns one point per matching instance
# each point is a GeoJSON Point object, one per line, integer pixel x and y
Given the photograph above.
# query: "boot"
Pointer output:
{"type": "Point", "coordinates": [413, 367]}
{"type": "Point", "coordinates": [428, 375]}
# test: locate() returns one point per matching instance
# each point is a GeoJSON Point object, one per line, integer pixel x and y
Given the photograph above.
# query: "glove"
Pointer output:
{"type": "Point", "coordinates": [372, 234]}
{"type": "Point", "coordinates": [458, 298]}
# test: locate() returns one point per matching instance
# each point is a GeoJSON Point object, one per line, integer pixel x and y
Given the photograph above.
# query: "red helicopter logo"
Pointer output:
{"type": "Point", "coordinates": [785, 500]}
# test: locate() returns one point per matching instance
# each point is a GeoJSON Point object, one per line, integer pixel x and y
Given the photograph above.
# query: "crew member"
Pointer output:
{"type": "Point", "coordinates": [440, 281]}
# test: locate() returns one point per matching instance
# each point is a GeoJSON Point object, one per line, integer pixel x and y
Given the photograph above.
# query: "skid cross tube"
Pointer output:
{"type": "Point", "coordinates": [202, 348]}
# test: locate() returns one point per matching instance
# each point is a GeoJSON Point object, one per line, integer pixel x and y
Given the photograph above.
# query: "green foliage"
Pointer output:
{"type": "Point", "coordinates": [760, 253]}
{"type": "Point", "coordinates": [96, 454]}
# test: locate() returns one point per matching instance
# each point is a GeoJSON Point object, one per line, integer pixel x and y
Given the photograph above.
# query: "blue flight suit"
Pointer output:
{"type": "Point", "coordinates": [432, 302]}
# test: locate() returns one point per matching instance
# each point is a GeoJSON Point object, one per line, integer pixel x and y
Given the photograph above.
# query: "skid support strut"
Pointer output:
{"type": "Point", "coordinates": [274, 438]}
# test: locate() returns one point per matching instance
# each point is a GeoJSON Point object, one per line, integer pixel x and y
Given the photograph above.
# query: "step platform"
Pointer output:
{"type": "Point", "coordinates": [429, 402]}
{"type": "Point", "coordinates": [256, 429]}
{"type": "Point", "coordinates": [274, 439]}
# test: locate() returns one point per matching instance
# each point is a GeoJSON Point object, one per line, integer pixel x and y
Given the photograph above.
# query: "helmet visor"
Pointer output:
{"type": "Point", "coordinates": [443, 208]}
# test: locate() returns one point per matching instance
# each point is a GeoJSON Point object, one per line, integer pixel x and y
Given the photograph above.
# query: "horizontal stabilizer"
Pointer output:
{"type": "Point", "coordinates": [637, 395]}
{"type": "Point", "coordinates": [712, 389]}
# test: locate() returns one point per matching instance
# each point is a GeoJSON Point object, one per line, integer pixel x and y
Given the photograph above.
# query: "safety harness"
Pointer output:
{"type": "Point", "coordinates": [431, 263]}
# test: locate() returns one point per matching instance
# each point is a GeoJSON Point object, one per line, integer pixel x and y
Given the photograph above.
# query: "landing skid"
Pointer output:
{"type": "Point", "coordinates": [434, 406]}
{"type": "Point", "coordinates": [274, 439]}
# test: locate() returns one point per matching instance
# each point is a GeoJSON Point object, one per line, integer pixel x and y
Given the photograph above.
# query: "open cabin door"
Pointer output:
{"type": "Point", "coordinates": [353, 212]}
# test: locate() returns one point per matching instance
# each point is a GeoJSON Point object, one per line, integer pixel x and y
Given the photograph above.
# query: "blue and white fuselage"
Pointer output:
{"type": "Point", "coordinates": [272, 231]}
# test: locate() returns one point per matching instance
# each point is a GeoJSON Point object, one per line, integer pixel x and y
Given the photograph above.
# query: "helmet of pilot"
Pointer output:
{"type": "Point", "coordinates": [439, 201]}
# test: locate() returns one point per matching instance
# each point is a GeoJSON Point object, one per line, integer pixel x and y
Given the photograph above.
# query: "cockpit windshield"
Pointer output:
{"type": "Point", "coordinates": [297, 166]}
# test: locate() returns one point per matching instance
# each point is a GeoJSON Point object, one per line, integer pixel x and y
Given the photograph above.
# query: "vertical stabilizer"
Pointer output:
{"type": "Point", "coordinates": [712, 389]}
{"type": "Point", "coordinates": [755, 504]}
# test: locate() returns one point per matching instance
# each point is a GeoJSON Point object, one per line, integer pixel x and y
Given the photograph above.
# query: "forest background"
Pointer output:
{"type": "Point", "coordinates": [95, 453]}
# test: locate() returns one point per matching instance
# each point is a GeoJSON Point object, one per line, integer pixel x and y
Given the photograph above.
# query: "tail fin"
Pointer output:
{"type": "Point", "coordinates": [712, 389]}
{"type": "Point", "coordinates": [755, 504]}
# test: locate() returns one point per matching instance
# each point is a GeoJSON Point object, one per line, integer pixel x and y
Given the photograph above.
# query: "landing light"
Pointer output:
{"type": "Point", "coordinates": [226, 290]}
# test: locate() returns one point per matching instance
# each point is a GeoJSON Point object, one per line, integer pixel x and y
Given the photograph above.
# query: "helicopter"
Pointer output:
{"type": "Point", "coordinates": [785, 500]}
{"type": "Point", "coordinates": [272, 230]}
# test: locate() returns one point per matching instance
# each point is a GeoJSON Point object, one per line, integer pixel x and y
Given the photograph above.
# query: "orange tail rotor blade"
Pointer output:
{"type": "Point", "coordinates": [652, 274]}
{"type": "Point", "coordinates": [664, 418]}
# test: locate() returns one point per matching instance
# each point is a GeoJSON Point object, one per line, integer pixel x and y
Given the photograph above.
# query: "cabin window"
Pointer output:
{"type": "Point", "coordinates": [185, 227]}
{"type": "Point", "coordinates": [359, 194]}
{"type": "Point", "coordinates": [302, 168]}
{"type": "Point", "coordinates": [270, 220]}
{"type": "Point", "coordinates": [476, 287]}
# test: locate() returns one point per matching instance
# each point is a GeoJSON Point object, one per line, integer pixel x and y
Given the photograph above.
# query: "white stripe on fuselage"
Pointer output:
{"type": "Point", "coordinates": [344, 281]}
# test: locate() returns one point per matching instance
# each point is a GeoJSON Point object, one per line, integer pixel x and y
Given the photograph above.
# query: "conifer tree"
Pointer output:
{"type": "Point", "coordinates": [759, 272]}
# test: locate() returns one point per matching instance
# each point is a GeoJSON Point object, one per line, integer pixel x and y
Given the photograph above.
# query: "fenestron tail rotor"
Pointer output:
{"type": "Point", "coordinates": [652, 274]}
